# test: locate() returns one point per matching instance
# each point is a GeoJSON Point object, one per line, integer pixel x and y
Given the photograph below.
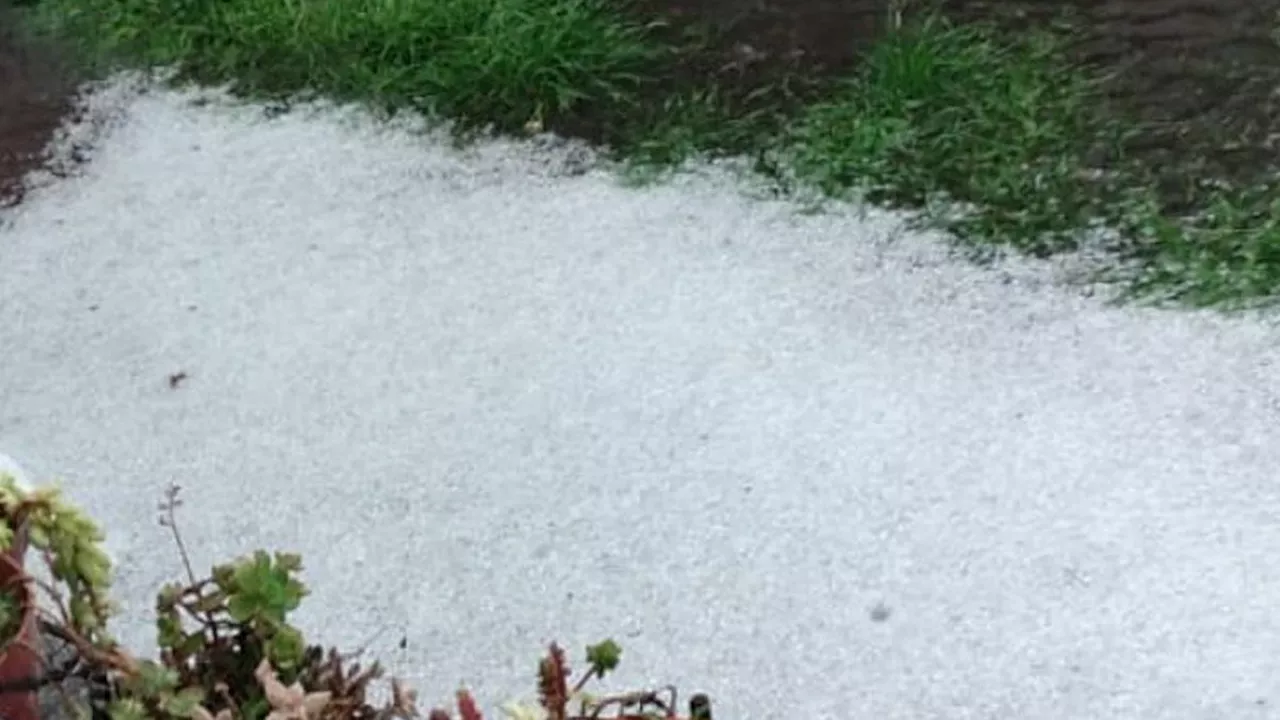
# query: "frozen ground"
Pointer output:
{"type": "Point", "coordinates": [495, 401]}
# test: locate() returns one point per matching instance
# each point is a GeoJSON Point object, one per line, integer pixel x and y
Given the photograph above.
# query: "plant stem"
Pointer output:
{"type": "Point", "coordinates": [170, 507]}
{"type": "Point", "coordinates": [171, 521]}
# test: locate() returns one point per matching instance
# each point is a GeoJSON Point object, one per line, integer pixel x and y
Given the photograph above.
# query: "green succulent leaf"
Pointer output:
{"type": "Point", "coordinates": [191, 645]}
{"type": "Point", "coordinates": [212, 602]}
{"type": "Point", "coordinates": [168, 631]}
{"type": "Point", "coordinates": [83, 613]}
{"type": "Point", "coordinates": [168, 596]}
{"type": "Point", "coordinates": [37, 534]}
{"type": "Point", "coordinates": [604, 657]}
{"type": "Point", "coordinates": [286, 649]}
{"type": "Point", "coordinates": [224, 576]}
{"type": "Point", "coordinates": [255, 707]}
{"type": "Point", "coordinates": [154, 679]}
{"type": "Point", "coordinates": [289, 562]}
{"type": "Point", "coordinates": [127, 709]}
{"type": "Point", "coordinates": [263, 591]}
{"type": "Point", "coordinates": [185, 702]}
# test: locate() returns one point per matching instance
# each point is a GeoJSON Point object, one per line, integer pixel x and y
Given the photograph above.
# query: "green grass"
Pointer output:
{"type": "Point", "coordinates": [953, 114]}
{"type": "Point", "coordinates": [937, 116]}
{"type": "Point", "coordinates": [480, 62]}
{"type": "Point", "coordinates": [1226, 257]}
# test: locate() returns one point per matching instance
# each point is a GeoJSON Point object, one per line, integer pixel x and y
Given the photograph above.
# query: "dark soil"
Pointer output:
{"type": "Point", "coordinates": [37, 90]}
{"type": "Point", "coordinates": [1200, 77]}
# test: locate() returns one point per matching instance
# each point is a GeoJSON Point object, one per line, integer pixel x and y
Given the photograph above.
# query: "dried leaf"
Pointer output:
{"type": "Point", "coordinates": [553, 683]}
{"type": "Point", "coordinates": [467, 707]}
{"type": "Point", "coordinates": [278, 695]}
{"type": "Point", "coordinates": [292, 702]}
{"type": "Point", "coordinates": [404, 700]}
{"type": "Point", "coordinates": [313, 703]}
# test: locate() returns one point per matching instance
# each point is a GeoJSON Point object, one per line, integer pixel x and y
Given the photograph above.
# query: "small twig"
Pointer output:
{"type": "Point", "coordinates": [582, 682]}
{"type": "Point", "coordinates": [365, 647]}
{"type": "Point", "coordinates": [638, 697]}
{"type": "Point", "coordinates": [170, 520]}
{"type": "Point", "coordinates": [112, 658]}
{"type": "Point", "coordinates": [204, 617]}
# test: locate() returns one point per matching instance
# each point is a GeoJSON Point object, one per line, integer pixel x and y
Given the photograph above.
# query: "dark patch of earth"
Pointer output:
{"type": "Point", "coordinates": [37, 91]}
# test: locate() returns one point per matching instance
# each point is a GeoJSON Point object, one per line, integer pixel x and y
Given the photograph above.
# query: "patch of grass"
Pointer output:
{"type": "Point", "coordinates": [960, 114]}
{"type": "Point", "coordinates": [1226, 257]}
{"type": "Point", "coordinates": [505, 63]}
{"type": "Point", "coordinates": [709, 122]}
{"type": "Point", "coordinates": [691, 123]}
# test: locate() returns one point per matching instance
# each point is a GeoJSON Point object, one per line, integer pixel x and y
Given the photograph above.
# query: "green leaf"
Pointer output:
{"type": "Point", "coordinates": [255, 708]}
{"type": "Point", "coordinates": [241, 608]}
{"type": "Point", "coordinates": [168, 596]}
{"type": "Point", "coordinates": [82, 613]}
{"type": "Point", "coordinates": [155, 679]}
{"type": "Point", "coordinates": [604, 657]}
{"type": "Point", "coordinates": [185, 702]}
{"type": "Point", "coordinates": [91, 565]}
{"type": "Point", "coordinates": [212, 602]}
{"type": "Point", "coordinates": [168, 631]}
{"type": "Point", "coordinates": [38, 536]}
{"type": "Point", "coordinates": [224, 576]}
{"type": "Point", "coordinates": [192, 645]}
{"type": "Point", "coordinates": [286, 648]}
{"type": "Point", "coordinates": [127, 709]}
{"type": "Point", "coordinates": [289, 562]}
{"type": "Point", "coordinates": [262, 590]}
